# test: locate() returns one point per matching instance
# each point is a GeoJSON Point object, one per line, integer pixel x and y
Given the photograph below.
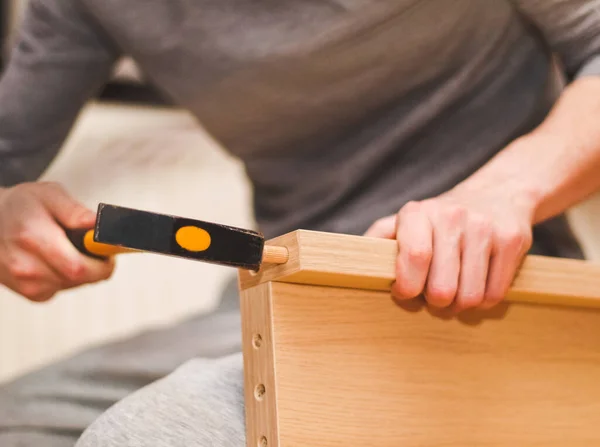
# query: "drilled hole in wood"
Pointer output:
{"type": "Point", "coordinates": [257, 341]}
{"type": "Point", "coordinates": [259, 391]}
{"type": "Point", "coordinates": [262, 442]}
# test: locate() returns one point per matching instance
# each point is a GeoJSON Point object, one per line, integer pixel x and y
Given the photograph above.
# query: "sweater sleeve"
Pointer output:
{"type": "Point", "coordinates": [60, 59]}
{"type": "Point", "coordinates": [571, 28]}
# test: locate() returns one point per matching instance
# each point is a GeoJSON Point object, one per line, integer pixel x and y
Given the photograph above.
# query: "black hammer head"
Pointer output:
{"type": "Point", "coordinates": [178, 236]}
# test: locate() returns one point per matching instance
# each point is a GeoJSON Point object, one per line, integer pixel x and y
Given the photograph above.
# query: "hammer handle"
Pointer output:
{"type": "Point", "coordinates": [83, 240]}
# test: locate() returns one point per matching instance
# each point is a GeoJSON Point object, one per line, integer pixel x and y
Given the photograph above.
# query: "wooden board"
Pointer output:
{"type": "Point", "coordinates": [259, 378]}
{"type": "Point", "coordinates": [345, 367]}
{"type": "Point", "coordinates": [356, 262]}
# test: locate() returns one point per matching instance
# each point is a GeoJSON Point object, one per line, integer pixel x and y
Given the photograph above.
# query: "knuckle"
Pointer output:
{"type": "Point", "coordinates": [410, 207]}
{"type": "Point", "coordinates": [75, 271]}
{"type": "Point", "coordinates": [494, 297]}
{"type": "Point", "coordinates": [514, 239]}
{"type": "Point", "coordinates": [419, 255]}
{"type": "Point", "coordinates": [403, 289]}
{"type": "Point", "coordinates": [470, 300]}
{"type": "Point", "coordinates": [25, 237]}
{"type": "Point", "coordinates": [42, 297]}
{"type": "Point", "coordinates": [441, 296]}
{"type": "Point", "coordinates": [454, 214]}
{"type": "Point", "coordinates": [21, 271]}
{"type": "Point", "coordinates": [32, 291]}
{"type": "Point", "coordinates": [480, 226]}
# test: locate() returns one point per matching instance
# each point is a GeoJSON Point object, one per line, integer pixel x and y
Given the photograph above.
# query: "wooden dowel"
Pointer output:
{"type": "Point", "coordinates": [275, 255]}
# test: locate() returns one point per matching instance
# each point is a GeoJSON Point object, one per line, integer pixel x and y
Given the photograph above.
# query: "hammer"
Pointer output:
{"type": "Point", "coordinates": [124, 230]}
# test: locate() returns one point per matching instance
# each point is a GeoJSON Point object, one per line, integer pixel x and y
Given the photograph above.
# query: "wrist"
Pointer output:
{"type": "Point", "coordinates": [518, 196]}
{"type": "Point", "coordinates": [542, 172]}
{"type": "Point", "coordinates": [553, 167]}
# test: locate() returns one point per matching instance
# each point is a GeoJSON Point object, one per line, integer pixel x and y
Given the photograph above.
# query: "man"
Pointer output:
{"type": "Point", "coordinates": [440, 124]}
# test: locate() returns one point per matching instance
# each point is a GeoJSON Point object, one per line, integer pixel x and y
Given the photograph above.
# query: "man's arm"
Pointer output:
{"type": "Point", "coordinates": [462, 249]}
{"type": "Point", "coordinates": [562, 156]}
{"type": "Point", "coordinates": [60, 59]}
{"type": "Point", "coordinates": [558, 164]}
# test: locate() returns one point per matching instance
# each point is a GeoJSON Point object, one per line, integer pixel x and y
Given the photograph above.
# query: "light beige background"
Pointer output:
{"type": "Point", "coordinates": [143, 158]}
{"type": "Point", "coordinates": [159, 160]}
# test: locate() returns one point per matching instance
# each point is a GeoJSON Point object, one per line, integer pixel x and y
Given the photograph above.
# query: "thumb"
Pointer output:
{"type": "Point", "coordinates": [65, 209]}
{"type": "Point", "coordinates": [384, 228]}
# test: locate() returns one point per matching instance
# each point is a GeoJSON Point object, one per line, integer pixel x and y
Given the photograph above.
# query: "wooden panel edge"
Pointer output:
{"type": "Point", "coordinates": [339, 260]}
{"type": "Point", "coordinates": [556, 281]}
{"type": "Point", "coordinates": [259, 375]}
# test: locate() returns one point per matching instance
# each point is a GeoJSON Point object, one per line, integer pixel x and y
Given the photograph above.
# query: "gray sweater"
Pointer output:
{"type": "Point", "coordinates": [341, 110]}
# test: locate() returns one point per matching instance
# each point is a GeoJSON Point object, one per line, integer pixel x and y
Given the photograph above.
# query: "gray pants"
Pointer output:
{"type": "Point", "coordinates": [175, 386]}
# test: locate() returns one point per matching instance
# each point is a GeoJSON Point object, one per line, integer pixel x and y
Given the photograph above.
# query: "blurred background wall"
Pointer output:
{"type": "Point", "coordinates": [152, 157]}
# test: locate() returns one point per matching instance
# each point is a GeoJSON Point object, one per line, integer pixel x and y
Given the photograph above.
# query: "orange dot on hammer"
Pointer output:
{"type": "Point", "coordinates": [193, 238]}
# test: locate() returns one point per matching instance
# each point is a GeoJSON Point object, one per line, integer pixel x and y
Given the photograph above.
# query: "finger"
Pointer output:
{"type": "Point", "coordinates": [30, 277]}
{"type": "Point", "coordinates": [66, 210]}
{"type": "Point", "coordinates": [415, 246]}
{"type": "Point", "coordinates": [475, 259]}
{"type": "Point", "coordinates": [37, 291]}
{"type": "Point", "coordinates": [507, 253]}
{"type": "Point", "coordinates": [49, 242]}
{"type": "Point", "coordinates": [442, 282]}
{"type": "Point", "coordinates": [384, 228]}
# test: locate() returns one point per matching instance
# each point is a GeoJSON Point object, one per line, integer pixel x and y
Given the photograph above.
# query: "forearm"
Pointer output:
{"type": "Point", "coordinates": [555, 166]}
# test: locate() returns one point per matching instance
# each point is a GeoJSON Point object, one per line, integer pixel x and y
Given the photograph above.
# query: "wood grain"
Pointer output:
{"type": "Point", "coordinates": [356, 262]}
{"type": "Point", "coordinates": [259, 374]}
{"type": "Point", "coordinates": [352, 368]}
